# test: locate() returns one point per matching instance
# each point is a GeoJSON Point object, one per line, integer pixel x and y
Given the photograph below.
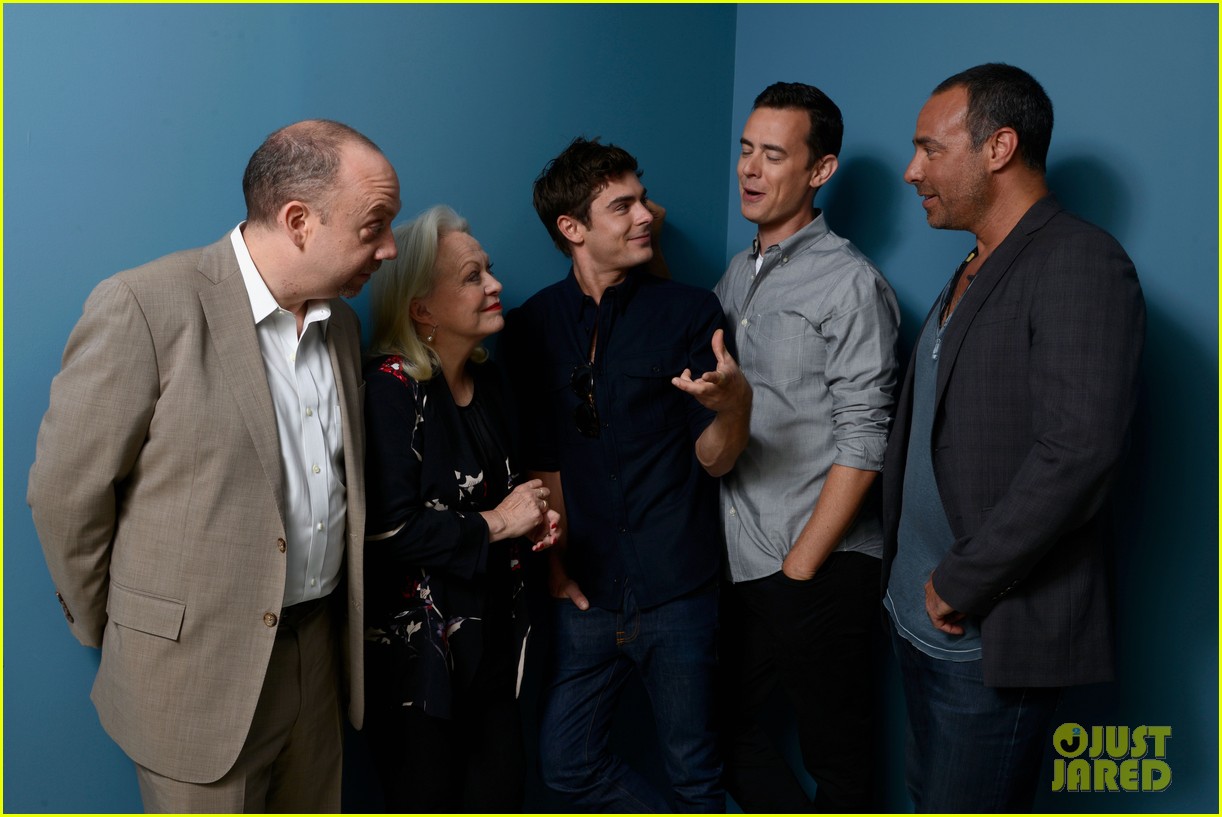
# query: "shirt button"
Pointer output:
{"type": "Point", "coordinates": [281, 545]}
{"type": "Point", "coordinates": [733, 512]}
{"type": "Point", "coordinates": [316, 469]}
{"type": "Point", "coordinates": [613, 477]}
{"type": "Point", "coordinates": [313, 582]}
{"type": "Point", "coordinates": [785, 259]}
{"type": "Point", "coordinates": [743, 321]}
{"type": "Point", "coordinates": [270, 619]}
{"type": "Point", "coordinates": [320, 526]}
{"type": "Point", "coordinates": [309, 412]}
{"type": "Point", "coordinates": [292, 357]}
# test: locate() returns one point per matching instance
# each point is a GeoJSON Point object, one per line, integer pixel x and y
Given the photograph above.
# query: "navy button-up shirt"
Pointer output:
{"type": "Point", "coordinates": [640, 507]}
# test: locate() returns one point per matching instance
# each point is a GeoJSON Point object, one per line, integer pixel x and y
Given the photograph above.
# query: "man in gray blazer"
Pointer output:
{"type": "Point", "coordinates": [1011, 423]}
{"type": "Point", "coordinates": [198, 486]}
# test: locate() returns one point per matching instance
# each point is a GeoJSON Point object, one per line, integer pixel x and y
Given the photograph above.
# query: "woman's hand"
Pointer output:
{"type": "Point", "coordinates": [524, 512]}
{"type": "Point", "coordinates": [548, 532]}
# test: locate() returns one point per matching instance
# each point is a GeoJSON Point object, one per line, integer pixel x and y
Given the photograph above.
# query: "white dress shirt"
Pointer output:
{"type": "Point", "coordinates": [306, 399]}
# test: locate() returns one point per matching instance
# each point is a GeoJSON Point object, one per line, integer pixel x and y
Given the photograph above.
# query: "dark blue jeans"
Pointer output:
{"type": "Point", "coordinates": [971, 748]}
{"type": "Point", "coordinates": [674, 648]}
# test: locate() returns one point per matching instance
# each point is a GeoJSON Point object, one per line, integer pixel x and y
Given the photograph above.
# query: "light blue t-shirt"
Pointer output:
{"type": "Point", "coordinates": [924, 532]}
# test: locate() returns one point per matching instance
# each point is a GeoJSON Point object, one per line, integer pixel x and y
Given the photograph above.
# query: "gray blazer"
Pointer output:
{"type": "Point", "coordinates": [156, 493]}
{"type": "Point", "coordinates": [1036, 388]}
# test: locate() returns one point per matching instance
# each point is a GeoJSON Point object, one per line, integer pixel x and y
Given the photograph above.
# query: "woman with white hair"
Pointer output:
{"type": "Point", "coordinates": [448, 525]}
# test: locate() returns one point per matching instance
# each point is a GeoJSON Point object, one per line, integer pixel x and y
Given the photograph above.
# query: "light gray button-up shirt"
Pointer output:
{"type": "Point", "coordinates": [815, 329]}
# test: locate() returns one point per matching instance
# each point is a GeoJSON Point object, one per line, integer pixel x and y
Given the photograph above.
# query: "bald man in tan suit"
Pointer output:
{"type": "Point", "coordinates": [198, 486]}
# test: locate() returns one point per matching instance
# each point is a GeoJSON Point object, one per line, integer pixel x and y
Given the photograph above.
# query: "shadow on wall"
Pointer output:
{"type": "Point", "coordinates": [1088, 187]}
{"type": "Point", "coordinates": [1166, 561]}
{"type": "Point", "coordinates": [863, 205]}
{"type": "Point", "coordinates": [862, 202]}
{"type": "Point", "coordinates": [690, 260]}
{"type": "Point", "coordinates": [864, 198]}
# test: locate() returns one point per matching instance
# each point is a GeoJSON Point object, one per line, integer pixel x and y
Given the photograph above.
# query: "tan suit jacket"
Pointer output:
{"type": "Point", "coordinates": [156, 492]}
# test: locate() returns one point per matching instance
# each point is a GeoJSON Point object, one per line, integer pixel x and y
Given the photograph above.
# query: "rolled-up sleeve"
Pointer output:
{"type": "Point", "coordinates": [860, 335]}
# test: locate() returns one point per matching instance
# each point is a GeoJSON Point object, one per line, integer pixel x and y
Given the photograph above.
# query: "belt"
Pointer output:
{"type": "Point", "coordinates": [294, 616]}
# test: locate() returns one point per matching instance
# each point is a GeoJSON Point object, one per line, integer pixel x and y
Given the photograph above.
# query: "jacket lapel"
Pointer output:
{"type": "Point", "coordinates": [343, 346]}
{"type": "Point", "coordinates": [231, 324]}
{"type": "Point", "coordinates": [992, 271]}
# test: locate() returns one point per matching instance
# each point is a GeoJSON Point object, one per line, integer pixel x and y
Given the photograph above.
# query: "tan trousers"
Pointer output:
{"type": "Point", "coordinates": [292, 758]}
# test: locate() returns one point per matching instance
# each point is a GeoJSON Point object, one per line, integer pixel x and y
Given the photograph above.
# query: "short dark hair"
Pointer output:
{"type": "Point", "coordinates": [571, 181]}
{"type": "Point", "coordinates": [299, 162]}
{"type": "Point", "coordinates": [826, 124]}
{"type": "Point", "coordinates": [1002, 96]}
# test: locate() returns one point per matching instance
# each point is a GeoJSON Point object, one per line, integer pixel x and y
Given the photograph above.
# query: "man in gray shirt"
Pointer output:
{"type": "Point", "coordinates": [815, 328]}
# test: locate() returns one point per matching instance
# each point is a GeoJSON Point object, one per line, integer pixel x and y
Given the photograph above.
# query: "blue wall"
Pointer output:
{"type": "Point", "coordinates": [126, 130]}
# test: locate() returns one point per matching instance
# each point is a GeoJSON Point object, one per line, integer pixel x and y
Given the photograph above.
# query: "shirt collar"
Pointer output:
{"type": "Point", "coordinates": [620, 294]}
{"type": "Point", "coordinates": [808, 236]}
{"type": "Point", "coordinates": [262, 303]}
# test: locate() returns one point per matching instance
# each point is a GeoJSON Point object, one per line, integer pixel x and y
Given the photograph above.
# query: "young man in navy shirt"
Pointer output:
{"type": "Point", "coordinates": [632, 408]}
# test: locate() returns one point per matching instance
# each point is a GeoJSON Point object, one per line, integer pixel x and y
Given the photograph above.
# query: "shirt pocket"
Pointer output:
{"type": "Point", "coordinates": [778, 347]}
{"type": "Point", "coordinates": [645, 400]}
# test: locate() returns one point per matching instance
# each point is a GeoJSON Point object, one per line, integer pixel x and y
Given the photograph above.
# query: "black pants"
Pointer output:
{"type": "Point", "coordinates": [471, 762]}
{"type": "Point", "coordinates": [816, 640]}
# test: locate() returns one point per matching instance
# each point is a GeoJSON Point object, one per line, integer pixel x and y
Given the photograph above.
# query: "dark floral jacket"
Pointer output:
{"type": "Point", "coordinates": [429, 567]}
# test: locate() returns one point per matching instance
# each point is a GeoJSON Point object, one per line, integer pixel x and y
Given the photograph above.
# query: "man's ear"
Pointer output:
{"type": "Point", "coordinates": [571, 229]}
{"type": "Point", "coordinates": [1002, 148]}
{"type": "Point", "coordinates": [823, 171]}
{"type": "Point", "coordinates": [295, 217]}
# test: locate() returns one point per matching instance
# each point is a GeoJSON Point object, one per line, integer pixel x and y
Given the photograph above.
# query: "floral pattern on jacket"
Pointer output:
{"type": "Point", "coordinates": [429, 567]}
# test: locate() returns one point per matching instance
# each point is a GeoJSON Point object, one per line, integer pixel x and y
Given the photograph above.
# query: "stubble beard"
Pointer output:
{"type": "Point", "coordinates": [971, 208]}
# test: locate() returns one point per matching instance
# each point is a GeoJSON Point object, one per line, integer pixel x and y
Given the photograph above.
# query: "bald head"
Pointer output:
{"type": "Point", "coordinates": [299, 162]}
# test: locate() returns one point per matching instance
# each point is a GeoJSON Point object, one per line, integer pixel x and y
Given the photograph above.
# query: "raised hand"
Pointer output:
{"type": "Point", "coordinates": [724, 389]}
